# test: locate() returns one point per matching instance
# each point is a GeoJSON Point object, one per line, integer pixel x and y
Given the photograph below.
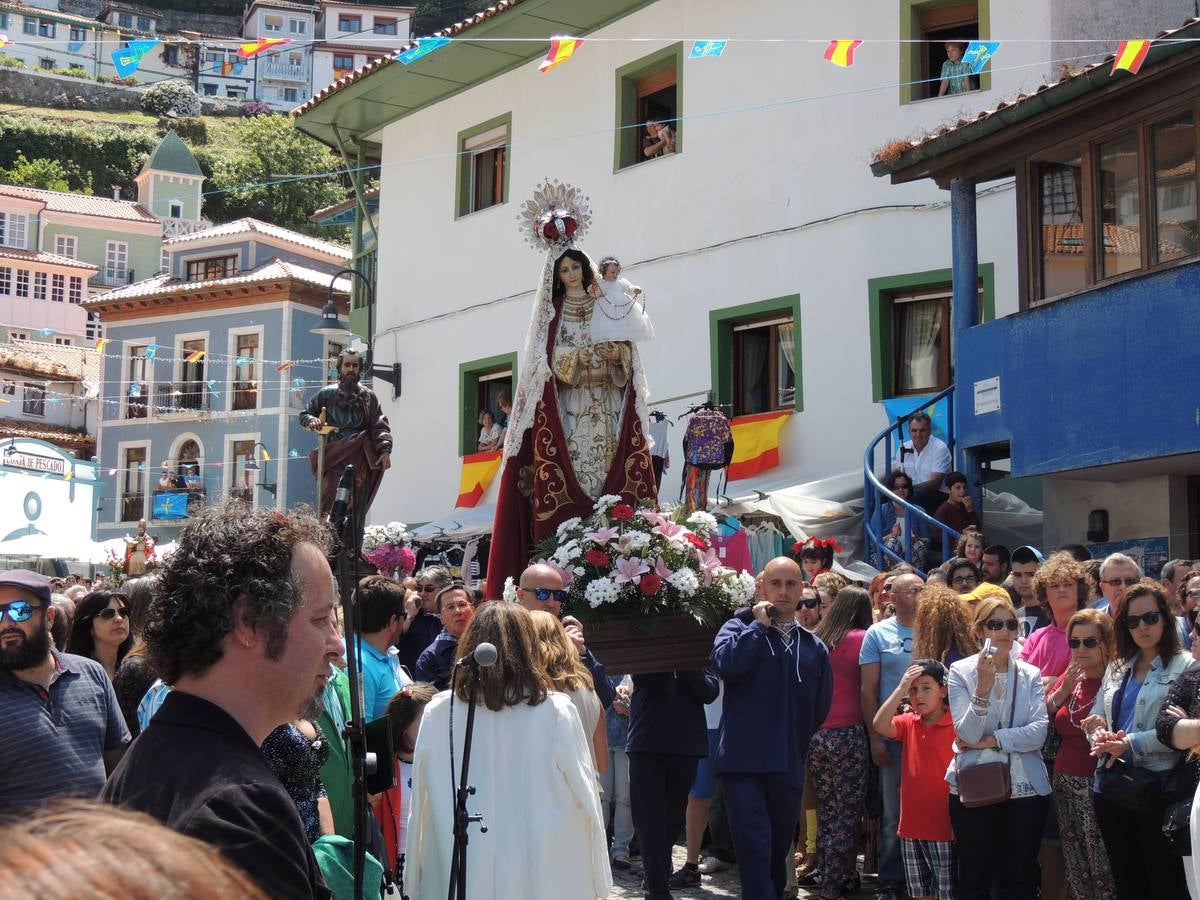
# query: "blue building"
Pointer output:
{"type": "Point", "coordinates": [1092, 385]}
{"type": "Point", "coordinates": [206, 370]}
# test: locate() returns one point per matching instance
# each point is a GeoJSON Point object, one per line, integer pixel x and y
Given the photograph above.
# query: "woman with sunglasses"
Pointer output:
{"type": "Point", "coordinates": [421, 624]}
{"type": "Point", "coordinates": [999, 709]}
{"type": "Point", "coordinates": [1090, 645]}
{"type": "Point", "coordinates": [889, 523]}
{"type": "Point", "coordinates": [101, 629]}
{"type": "Point", "coordinates": [1122, 728]}
{"type": "Point", "coordinates": [808, 610]}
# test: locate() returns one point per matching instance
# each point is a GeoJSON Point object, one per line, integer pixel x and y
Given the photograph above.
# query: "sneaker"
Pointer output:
{"type": "Point", "coordinates": [620, 861]}
{"type": "Point", "coordinates": [688, 876]}
{"type": "Point", "coordinates": [710, 864]}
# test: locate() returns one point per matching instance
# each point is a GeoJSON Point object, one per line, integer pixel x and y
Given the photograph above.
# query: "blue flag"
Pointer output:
{"type": "Point", "coordinates": [170, 505]}
{"type": "Point", "coordinates": [127, 60]}
{"type": "Point", "coordinates": [424, 47]}
{"type": "Point", "coordinates": [979, 53]}
{"type": "Point", "coordinates": [74, 46]}
{"type": "Point", "coordinates": [701, 49]}
{"type": "Point", "coordinates": [899, 407]}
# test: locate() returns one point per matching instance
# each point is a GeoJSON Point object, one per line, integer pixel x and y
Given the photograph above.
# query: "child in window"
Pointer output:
{"type": "Point", "coordinates": [956, 74]}
{"type": "Point", "coordinates": [620, 311]}
{"type": "Point", "coordinates": [927, 733]}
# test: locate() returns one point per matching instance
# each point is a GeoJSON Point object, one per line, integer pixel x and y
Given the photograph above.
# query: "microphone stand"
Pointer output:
{"type": "Point", "coordinates": [462, 818]}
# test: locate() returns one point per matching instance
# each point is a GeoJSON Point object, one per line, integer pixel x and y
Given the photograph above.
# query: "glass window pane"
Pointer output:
{"type": "Point", "coordinates": [785, 365]}
{"type": "Point", "coordinates": [1061, 213]}
{"type": "Point", "coordinates": [1175, 187]}
{"type": "Point", "coordinates": [1119, 209]}
{"type": "Point", "coordinates": [920, 346]}
{"type": "Point", "coordinates": [752, 348]}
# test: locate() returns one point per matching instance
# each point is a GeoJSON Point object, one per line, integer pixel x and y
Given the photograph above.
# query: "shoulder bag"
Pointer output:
{"type": "Point", "coordinates": [1132, 788]}
{"type": "Point", "coordinates": [986, 784]}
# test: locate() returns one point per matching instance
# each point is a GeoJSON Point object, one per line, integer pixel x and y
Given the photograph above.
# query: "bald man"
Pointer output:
{"type": "Point", "coordinates": [540, 587]}
{"type": "Point", "coordinates": [778, 689]}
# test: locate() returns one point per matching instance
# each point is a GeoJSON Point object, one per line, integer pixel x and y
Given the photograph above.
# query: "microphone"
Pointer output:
{"type": "Point", "coordinates": [485, 655]}
{"type": "Point", "coordinates": [341, 500]}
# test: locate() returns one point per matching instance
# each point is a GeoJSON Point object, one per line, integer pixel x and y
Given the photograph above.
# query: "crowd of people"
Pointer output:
{"type": "Point", "coordinates": [1011, 726]}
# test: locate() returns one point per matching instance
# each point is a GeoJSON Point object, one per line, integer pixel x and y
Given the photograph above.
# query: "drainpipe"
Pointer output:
{"type": "Point", "coordinates": [965, 268]}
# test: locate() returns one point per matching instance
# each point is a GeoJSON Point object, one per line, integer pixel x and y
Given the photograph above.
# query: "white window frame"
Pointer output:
{"type": "Point", "coordinates": [8, 387]}
{"type": "Point", "coordinates": [127, 346]}
{"type": "Point", "coordinates": [183, 336]}
{"type": "Point", "coordinates": [175, 210]}
{"type": "Point", "coordinates": [272, 22]}
{"type": "Point", "coordinates": [6, 281]}
{"type": "Point", "coordinates": [297, 26]}
{"type": "Point", "coordinates": [116, 260]}
{"type": "Point", "coordinates": [64, 342]}
{"type": "Point", "coordinates": [231, 469]}
{"type": "Point", "coordinates": [21, 284]}
{"type": "Point", "coordinates": [34, 386]}
{"type": "Point", "coordinates": [66, 245]}
{"type": "Point", "coordinates": [14, 230]}
{"type": "Point", "coordinates": [123, 448]}
{"type": "Point", "coordinates": [75, 290]}
{"type": "Point", "coordinates": [231, 369]}
{"type": "Point", "coordinates": [18, 335]}
{"type": "Point", "coordinates": [58, 287]}
{"type": "Point", "coordinates": [41, 285]}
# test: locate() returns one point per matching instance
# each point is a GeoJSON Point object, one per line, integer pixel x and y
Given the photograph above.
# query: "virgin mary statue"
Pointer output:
{"type": "Point", "coordinates": [578, 425]}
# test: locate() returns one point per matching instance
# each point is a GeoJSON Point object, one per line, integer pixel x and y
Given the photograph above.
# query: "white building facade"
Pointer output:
{"type": "Point", "coordinates": [284, 73]}
{"type": "Point", "coordinates": [353, 34]}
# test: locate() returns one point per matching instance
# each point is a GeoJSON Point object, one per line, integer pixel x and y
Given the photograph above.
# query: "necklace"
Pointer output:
{"type": "Point", "coordinates": [628, 307]}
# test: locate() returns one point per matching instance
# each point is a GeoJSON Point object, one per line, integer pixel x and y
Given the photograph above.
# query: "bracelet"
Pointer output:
{"type": "Point", "coordinates": [976, 700]}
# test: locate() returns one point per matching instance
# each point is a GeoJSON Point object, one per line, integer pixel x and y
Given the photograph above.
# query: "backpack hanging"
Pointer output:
{"type": "Point", "coordinates": [708, 440]}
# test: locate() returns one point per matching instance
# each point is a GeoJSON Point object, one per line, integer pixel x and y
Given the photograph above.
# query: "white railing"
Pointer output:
{"type": "Point", "coordinates": [176, 227]}
{"type": "Point", "coordinates": [284, 72]}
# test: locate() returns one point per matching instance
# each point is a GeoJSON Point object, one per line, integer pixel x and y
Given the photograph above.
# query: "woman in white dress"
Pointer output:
{"type": "Point", "coordinates": [532, 770]}
{"type": "Point", "coordinates": [566, 672]}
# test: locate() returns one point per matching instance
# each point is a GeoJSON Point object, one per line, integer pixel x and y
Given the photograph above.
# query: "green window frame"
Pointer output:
{"type": "Point", "coordinates": [910, 53]}
{"type": "Point", "coordinates": [721, 325]}
{"type": "Point", "coordinates": [880, 292]}
{"type": "Point", "coordinates": [463, 205]}
{"type": "Point", "coordinates": [627, 135]}
{"type": "Point", "coordinates": [470, 374]}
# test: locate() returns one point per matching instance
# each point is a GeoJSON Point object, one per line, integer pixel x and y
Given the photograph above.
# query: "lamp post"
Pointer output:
{"type": "Point", "coordinates": [253, 466]}
{"type": "Point", "coordinates": [331, 324]}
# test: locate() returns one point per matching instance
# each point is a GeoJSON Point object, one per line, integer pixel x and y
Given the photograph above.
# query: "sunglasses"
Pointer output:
{"type": "Point", "coordinates": [810, 604]}
{"type": "Point", "coordinates": [1000, 624]}
{"type": "Point", "coordinates": [110, 613]}
{"type": "Point", "coordinates": [964, 581]}
{"type": "Point", "coordinates": [428, 588]}
{"type": "Point", "coordinates": [1119, 582]}
{"type": "Point", "coordinates": [18, 611]}
{"type": "Point", "coordinates": [1090, 643]}
{"type": "Point", "coordinates": [1151, 618]}
{"type": "Point", "coordinates": [546, 594]}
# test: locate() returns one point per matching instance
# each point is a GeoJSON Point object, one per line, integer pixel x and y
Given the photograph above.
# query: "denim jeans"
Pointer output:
{"type": "Point", "coordinates": [615, 784]}
{"type": "Point", "coordinates": [891, 866]}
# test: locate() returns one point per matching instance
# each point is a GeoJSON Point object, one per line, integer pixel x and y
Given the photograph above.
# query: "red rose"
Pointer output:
{"type": "Point", "coordinates": [596, 557]}
{"type": "Point", "coordinates": [622, 512]}
{"type": "Point", "coordinates": [650, 584]}
{"type": "Point", "coordinates": [698, 542]}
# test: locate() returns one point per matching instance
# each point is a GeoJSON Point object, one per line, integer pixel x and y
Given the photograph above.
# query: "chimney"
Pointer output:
{"type": "Point", "coordinates": [116, 192]}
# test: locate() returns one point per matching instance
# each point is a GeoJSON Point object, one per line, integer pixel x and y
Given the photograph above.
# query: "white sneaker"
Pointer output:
{"type": "Point", "coordinates": [710, 864]}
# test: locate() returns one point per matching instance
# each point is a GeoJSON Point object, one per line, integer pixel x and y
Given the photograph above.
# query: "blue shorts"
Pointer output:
{"type": "Point", "coordinates": [705, 784]}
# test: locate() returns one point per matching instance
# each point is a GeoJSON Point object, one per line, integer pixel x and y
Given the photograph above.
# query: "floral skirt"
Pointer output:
{"type": "Point", "coordinates": [1089, 876]}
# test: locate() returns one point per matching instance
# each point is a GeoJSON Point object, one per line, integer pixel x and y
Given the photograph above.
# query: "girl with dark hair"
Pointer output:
{"type": "Point", "coordinates": [837, 755]}
{"type": "Point", "coordinates": [1122, 732]}
{"type": "Point", "coordinates": [101, 629]}
{"type": "Point", "coordinates": [404, 713]}
{"type": "Point", "coordinates": [134, 675]}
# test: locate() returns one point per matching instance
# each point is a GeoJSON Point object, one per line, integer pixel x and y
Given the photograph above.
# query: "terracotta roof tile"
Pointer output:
{"type": "Point", "coordinates": [81, 362]}
{"type": "Point", "coordinates": [82, 204]}
{"type": "Point", "coordinates": [1119, 240]}
{"type": "Point", "coordinates": [254, 226]}
{"type": "Point", "coordinates": [43, 257]}
{"type": "Point", "coordinates": [19, 359]}
{"type": "Point", "coordinates": [348, 203]}
{"type": "Point", "coordinates": [165, 285]}
{"type": "Point", "coordinates": [68, 438]}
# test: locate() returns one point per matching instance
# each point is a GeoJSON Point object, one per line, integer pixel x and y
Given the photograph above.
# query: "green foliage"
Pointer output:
{"type": "Point", "coordinates": [192, 130]}
{"type": "Point", "coordinates": [89, 153]}
{"type": "Point", "coordinates": [10, 62]}
{"type": "Point", "coordinates": [47, 174]}
{"type": "Point", "coordinates": [72, 73]}
{"type": "Point", "coordinates": [171, 96]}
{"type": "Point", "coordinates": [434, 15]}
{"type": "Point", "coordinates": [251, 173]}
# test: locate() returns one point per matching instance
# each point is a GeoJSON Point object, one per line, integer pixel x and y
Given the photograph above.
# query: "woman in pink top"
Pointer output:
{"type": "Point", "coordinates": [837, 755]}
{"type": "Point", "coordinates": [1061, 586]}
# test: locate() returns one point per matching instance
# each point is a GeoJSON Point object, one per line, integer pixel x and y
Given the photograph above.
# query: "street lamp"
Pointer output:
{"type": "Point", "coordinates": [253, 466]}
{"type": "Point", "coordinates": [332, 325]}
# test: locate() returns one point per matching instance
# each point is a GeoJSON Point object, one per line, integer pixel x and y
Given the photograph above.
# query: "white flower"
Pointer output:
{"type": "Point", "coordinates": [510, 590]}
{"type": "Point", "coordinates": [740, 587]}
{"type": "Point", "coordinates": [579, 570]}
{"type": "Point", "coordinates": [566, 553]}
{"type": "Point", "coordinates": [601, 591]}
{"type": "Point", "coordinates": [702, 523]}
{"type": "Point", "coordinates": [567, 526]}
{"type": "Point", "coordinates": [684, 581]}
{"type": "Point", "coordinates": [606, 502]}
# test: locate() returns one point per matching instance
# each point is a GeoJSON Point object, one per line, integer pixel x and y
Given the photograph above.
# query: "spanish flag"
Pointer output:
{"type": "Point", "coordinates": [478, 470]}
{"type": "Point", "coordinates": [561, 49]}
{"type": "Point", "coordinates": [194, 356]}
{"type": "Point", "coordinates": [102, 343]}
{"type": "Point", "coordinates": [841, 52]}
{"type": "Point", "coordinates": [248, 50]}
{"type": "Point", "coordinates": [755, 444]}
{"type": "Point", "coordinates": [227, 68]}
{"type": "Point", "coordinates": [1130, 56]}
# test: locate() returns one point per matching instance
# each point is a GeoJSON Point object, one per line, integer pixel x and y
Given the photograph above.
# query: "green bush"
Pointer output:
{"type": "Point", "coordinates": [171, 97]}
{"type": "Point", "coordinates": [72, 73]}
{"type": "Point", "coordinates": [10, 62]}
{"type": "Point", "coordinates": [192, 129]}
{"type": "Point", "coordinates": [90, 153]}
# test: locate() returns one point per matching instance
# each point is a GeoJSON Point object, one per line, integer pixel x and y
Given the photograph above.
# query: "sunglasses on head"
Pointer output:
{"type": "Point", "coordinates": [1150, 618]}
{"type": "Point", "coordinates": [1000, 624]}
{"type": "Point", "coordinates": [110, 613]}
{"type": "Point", "coordinates": [547, 594]}
{"type": "Point", "coordinates": [18, 611]}
{"type": "Point", "coordinates": [1090, 643]}
{"type": "Point", "coordinates": [810, 604]}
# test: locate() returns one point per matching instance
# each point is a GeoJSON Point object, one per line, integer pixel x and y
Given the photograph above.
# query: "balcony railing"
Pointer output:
{"type": "Point", "coordinates": [114, 279]}
{"type": "Point", "coordinates": [284, 72]}
{"type": "Point", "coordinates": [182, 399]}
{"type": "Point", "coordinates": [177, 504]}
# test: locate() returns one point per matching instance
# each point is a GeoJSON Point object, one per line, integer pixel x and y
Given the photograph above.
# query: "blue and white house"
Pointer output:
{"type": "Point", "coordinates": [208, 367]}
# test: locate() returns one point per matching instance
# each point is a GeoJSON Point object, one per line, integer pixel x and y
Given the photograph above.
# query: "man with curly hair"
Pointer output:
{"type": "Point", "coordinates": [241, 623]}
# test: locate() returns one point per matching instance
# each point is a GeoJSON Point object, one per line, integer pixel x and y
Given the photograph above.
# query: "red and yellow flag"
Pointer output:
{"type": "Point", "coordinates": [841, 52]}
{"type": "Point", "coordinates": [248, 50]}
{"type": "Point", "coordinates": [478, 470]}
{"type": "Point", "coordinates": [194, 356]}
{"type": "Point", "coordinates": [102, 343]}
{"type": "Point", "coordinates": [755, 444]}
{"type": "Point", "coordinates": [1130, 56]}
{"type": "Point", "coordinates": [284, 366]}
{"type": "Point", "coordinates": [561, 49]}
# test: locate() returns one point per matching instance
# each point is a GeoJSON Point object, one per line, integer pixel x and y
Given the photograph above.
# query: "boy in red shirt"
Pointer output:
{"type": "Point", "coordinates": [927, 841]}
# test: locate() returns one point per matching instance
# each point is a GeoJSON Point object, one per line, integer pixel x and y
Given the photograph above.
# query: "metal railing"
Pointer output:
{"type": "Point", "coordinates": [875, 494]}
{"type": "Point", "coordinates": [182, 398]}
{"type": "Point", "coordinates": [284, 72]}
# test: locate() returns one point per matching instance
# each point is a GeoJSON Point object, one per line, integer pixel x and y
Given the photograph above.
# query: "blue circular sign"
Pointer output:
{"type": "Point", "coordinates": [33, 506]}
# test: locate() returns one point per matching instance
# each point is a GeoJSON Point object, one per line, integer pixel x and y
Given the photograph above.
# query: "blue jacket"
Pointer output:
{"type": "Point", "coordinates": [605, 691]}
{"type": "Point", "coordinates": [436, 664]}
{"type": "Point", "coordinates": [666, 714]}
{"type": "Point", "coordinates": [776, 697]}
{"type": "Point", "coordinates": [420, 635]}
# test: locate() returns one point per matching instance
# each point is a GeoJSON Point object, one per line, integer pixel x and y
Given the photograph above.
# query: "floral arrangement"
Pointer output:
{"type": "Point", "coordinates": [384, 548]}
{"type": "Point", "coordinates": [640, 561]}
{"type": "Point", "coordinates": [116, 566]}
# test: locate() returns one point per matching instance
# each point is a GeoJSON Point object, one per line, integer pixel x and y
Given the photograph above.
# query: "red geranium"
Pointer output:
{"type": "Point", "coordinates": [698, 542]}
{"type": "Point", "coordinates": [596, 557]}
{"type": "Point", "coordinates": [622, 512]}
{"type": "Point", "coordinates": [650, 584]}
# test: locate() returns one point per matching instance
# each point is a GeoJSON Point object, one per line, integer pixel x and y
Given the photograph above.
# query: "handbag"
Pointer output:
{"type": "Point", "coordinates": [986, 784]}
{"type": "Point", "coordinates": [1177, 820]}
{"type": "Point", "coordinates": [1130, 787]}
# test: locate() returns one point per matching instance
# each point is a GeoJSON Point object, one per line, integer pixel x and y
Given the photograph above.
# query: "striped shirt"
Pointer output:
{"type": "Point", "coordinates": [53, 742]}
{"type": "Point", "coordinates": [958, 74]}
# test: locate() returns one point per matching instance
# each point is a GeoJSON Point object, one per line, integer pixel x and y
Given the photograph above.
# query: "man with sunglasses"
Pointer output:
{"type": "Point", "coordinates": [540, 587]}
{"type": "Point", "coordinates": [421, 624]}
{"type": "Point", "coordinates": [62, 725]}
{"type": "Point", "coordinates": [1118, 572]}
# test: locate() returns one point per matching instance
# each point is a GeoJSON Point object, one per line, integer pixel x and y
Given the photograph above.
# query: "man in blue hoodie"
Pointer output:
{"type": "Point", "coordinates": [778, 688]}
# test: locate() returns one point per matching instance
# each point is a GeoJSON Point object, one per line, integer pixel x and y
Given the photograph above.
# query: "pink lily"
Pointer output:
{"type": "Point", "coordinates": [710, 565]}
{"type": "Point", "coordinates": [629, 570]}
{"type": "Point", "coordinates": [601, 535]}
{"type": "Point", "coordinates": [669, 529]}
{"type": "Point", "coordinates": [661, 569]}
{"type": "Point", "coordinates": [566, 575]}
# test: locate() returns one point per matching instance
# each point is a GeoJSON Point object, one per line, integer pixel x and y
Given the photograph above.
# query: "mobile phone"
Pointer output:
{"type": "Point", "coordinates": [772, 612]}
{"type": "Point", "coordinates": [988, 649]}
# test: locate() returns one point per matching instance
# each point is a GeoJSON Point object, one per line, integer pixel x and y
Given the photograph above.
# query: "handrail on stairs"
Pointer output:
{"type": "Point", "coordinates": [875, 494]}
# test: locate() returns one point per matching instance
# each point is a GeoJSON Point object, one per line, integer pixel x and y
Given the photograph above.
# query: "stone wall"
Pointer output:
{"type": "Point", "coordinates": [37, 89]}
{"type": "Point", "coordinates": [169, 19]}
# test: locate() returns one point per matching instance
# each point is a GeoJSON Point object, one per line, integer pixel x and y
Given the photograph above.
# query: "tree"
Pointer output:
{"type": "Point", "coordinates": [261, 168]}
{"type": "Point", "coordinates": [434, 15]}
{"type": "Point", "coordinates": [47, 174]}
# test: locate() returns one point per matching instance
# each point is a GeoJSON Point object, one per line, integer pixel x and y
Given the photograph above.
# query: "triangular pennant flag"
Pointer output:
{"type": "Point", "coordinates": [284, 366]}
{"type": "Point", "coordinates": [227, 68]}
{"type": "Point", "coordinates": [102, 343]}
{"type": "Point", "coordinates": [293, 454]}
{"type": "Point", "coordinates": [248, 50]}
{"type": "Point", "coordinates": [151, 351]}
{"type": "Point", "coordinates": [1130, 56]}
{"type": "Point", "coordinates": [424, 47]}
{"type": "Point", "coordinates": [45, 332]}
{"type": "Point", "coordinates": [561, 49]}
{"type": "Point", "coordinates": [979, 53]}
{"type": "Point", "coordinates": [194, 356]}
{"type": "Point", "coordinates": [4, 41]}
{"type": "Point", "coordinates": [127, 60]}
{"type": "Point", "coordinates": [72, 47]}
{"type": "Point", "coordinates": [701, 49]}
{"type": "Point", "coordinates": [243, 361]}
{"type": "Point", "coordinates": [239, 67]}
{"type": "Point", "coordinates": [841, 52]}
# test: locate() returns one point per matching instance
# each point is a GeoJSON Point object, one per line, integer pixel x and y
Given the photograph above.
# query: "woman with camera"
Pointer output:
{"type": "Point", "coordinates": [999, 789]}
{"type": "Point", "coordinates": [1135, 764]}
